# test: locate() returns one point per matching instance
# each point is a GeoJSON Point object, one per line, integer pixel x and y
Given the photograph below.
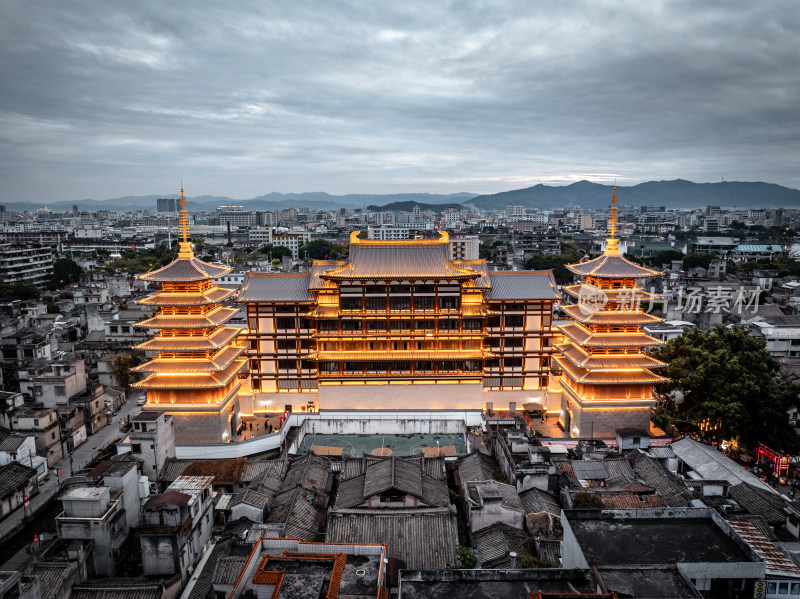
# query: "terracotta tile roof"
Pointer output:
{"type": "Point", "coordinates": [522, 285]}
{"type": "Point", "coordinates": [613, 267]}
{"type": "Point", "coordinates": [186, 269]}
{"type": "Point", "coordinates": [169, 497]}
{"type": "Point", "coordinates": [188, 321]}
{"type": "Point", "coordinates": [399, 260]}
{"type": "Point", "coordinates": [214, 295]}
{"type": "Point", "coordinates": [219, 338]}
{"type": "Point", "coordinates": [219, 361]}
{"type": "Point", "coordinates": [776, 561]}
{"type": "Point", "coordinates": [275, 287]}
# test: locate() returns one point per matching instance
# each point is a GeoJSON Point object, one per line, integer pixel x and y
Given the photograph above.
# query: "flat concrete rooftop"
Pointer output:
{"type": "Point", "coordinates": [621, 541]}
{"type": "Point", "coordinates": [491, 584]}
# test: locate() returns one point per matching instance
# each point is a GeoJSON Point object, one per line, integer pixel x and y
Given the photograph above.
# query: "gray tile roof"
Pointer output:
{"type": "Point", "coordinates": [424, 539]}
{"type": "Point", "coordinates": [14, 476]}
{"type": "Point", "coordinates": [668, 486]}
{"type": "Point", "coordinates": [478, 466]}
{"type": "Point", "coordinates": [154, 591]}
{"type": "Point", "coordinates": [522, 285]}
{"type": "Point", "coordinates": [303, 498]}
{"type": "Point", "coordinates": [275, 287]}
{"type": "Point", "coordinates": [228, 569]}
{"type": "Point", "coordinates": [712, 464]}
{"type": "Point", "coordinates": [495, 542]}
{"type": "Point", "coordinates": [202, 588]}
{"type": "Point", "coordinates": [52, 578]}
{"type": "Point", "coordinates": [535, 500]}
{"type": "Point", "coordinates": [403, 474]}
{"type": "Point", "coordinates": [760, 502]}
{"type": "Point", "coordinates": [10, 441]}
{"type": "Point", "coordinates": [589, 470]}
{"type": "Point", "coordinates": [484, 489]}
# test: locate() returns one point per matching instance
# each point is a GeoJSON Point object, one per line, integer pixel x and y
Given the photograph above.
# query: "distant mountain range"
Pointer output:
{"type": "Point", "coordinates": [270, 201]}
{"type": "Point", "coordinates": [585, 194]}
{"type": "Point", "coordinates": [672, 194]}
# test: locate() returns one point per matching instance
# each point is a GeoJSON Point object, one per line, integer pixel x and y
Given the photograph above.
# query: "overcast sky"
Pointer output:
{"type": "Point", "coordinates": [106, 99]}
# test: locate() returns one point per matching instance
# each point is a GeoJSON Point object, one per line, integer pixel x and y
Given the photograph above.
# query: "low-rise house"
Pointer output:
{"type": "Point", "coordinates": [152, 441]}
{"type": "Point", "coordinates": [17, 482]}
{"type": "Point", "coordinates": [525, 464]}
{"type": "Point", "coordinates": [90, 513]}
{"type": "Point", "coordinates": [489, 502]}
{"type": "Point", "coordinates": [95, 413]}
{"type": "Point", "coordinates": [26, 345]}
{"type": "Point", "coordinates": [42, 423]}
{"type": "Point", "coordinates": [175, 526]}
{"type": "Point", "coordinates": [53, 383]}
{"type": "Point", "coordinates": [72, 426]}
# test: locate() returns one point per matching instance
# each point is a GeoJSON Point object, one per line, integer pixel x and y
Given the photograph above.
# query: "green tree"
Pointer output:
{"type": "Point", "coordinates": [486, 251]}
{"type": "Point", "coordinates": [664, 257]}
{"type": "Point", "coordinates": [122, 370]}
{"type": "Point", "coordinates": [730, 386]}
{"type": "Point", "coordinates": [20, 291]}
{"type": "Point", "coordinates": [279, 251]}
{"type": "Point", "coordinates": [65, 272]}
{"type": "Point", "coordinates": [321, 249]}
{"type": "Point", "coordinates": [701, 259]}
{"type": "Point", "coordinates": [467, 557]}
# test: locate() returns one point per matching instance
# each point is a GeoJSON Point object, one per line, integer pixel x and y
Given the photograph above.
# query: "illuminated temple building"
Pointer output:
{"type": "Point", "coordinates": [400, 326]}
{"type": "Point", "coordinates": [194, 375]}
{"type": "Point", "coordinates": [607, 378]}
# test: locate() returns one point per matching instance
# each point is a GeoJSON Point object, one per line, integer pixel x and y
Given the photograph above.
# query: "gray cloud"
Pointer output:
{"type": "Point", "coordinates": [101, 101]}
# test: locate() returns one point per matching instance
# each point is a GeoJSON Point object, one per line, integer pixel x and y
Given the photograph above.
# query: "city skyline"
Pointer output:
{"type": "Point", "coordinates": [352, 99]}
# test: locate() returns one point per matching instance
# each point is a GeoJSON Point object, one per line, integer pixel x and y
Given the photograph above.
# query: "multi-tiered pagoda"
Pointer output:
{"type": "Point", "coordinates": [195, 374]}
{"type": "Point", "coordinates": [607, 378]}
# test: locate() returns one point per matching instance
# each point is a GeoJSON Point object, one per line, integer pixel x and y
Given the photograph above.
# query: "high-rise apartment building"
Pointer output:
{"type": "Point", "coordinates": [26, 263]}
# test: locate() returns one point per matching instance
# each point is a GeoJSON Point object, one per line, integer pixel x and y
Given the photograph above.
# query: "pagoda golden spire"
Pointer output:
{"type": "Point", "coordinates": [612, 243]}
{"type": "Point", "coordinates": [184, 246]}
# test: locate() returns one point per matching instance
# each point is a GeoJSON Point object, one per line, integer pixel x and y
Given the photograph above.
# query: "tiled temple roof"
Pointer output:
{"type": "Point", "coordinates": [524, 285]}
{"type": "Point", "coordinates": [612, 267]}
{"type": "Point", "coordinates": [399, 260]}
{"type": "Point", "coordinates": [216, 363]}
{"type": "Point", "coordinates": [609, 317]}
{"type": "Point", "coordinates": [187, 298]}
{"type": "Point", "coordinates": [192, 380]}
{"type": "Point", "coordinates": [607, 377]}
{"type": "Point", "coordinates": [219, 338]}
{"type": "Point", "coordinates": [188, 321]}
{"type": "Point", "coordinates": [631, 339]}
{"type": "Point", "coordinates": [186, 269]}
{"type": "Point", "coordinates": [600, 361]}
{"type": "Point", "coordinates": [276, 287]}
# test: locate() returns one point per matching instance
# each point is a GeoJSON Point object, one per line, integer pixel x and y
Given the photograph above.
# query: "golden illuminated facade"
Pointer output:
{"type": "Point", "coordinates": [398, 325]}
{"type": "Point", "coordinates": [607, 377]}
{"type": "Point", "coordinates": [194, 376]}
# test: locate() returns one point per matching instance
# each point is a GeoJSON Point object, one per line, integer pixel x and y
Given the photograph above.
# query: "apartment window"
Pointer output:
{"type": "Point", "coordinates": [60, 391]}
{"type": "Point", "coordinates": [284, 323]}
{"type": "Point", "coordinates": [112, 329]}
{"type": "Point", "coordinates": [254, 345]}
{"type": "Point", "coordinates": [514, 320]}
{"type": "Point", "coordinates": [424, 325]}
{"type": "Point", "coordinates": [376, 325]}
{"type": "Point", "coordinates": [472, 324]}
{"type": "Point", "coordinates": [448, 325]}
{"type": "Point", "coordinates": [514, 342]}
{"type": "Point", "coordinates": [136, 448]}
{"type": "Point", "coordinates": [307, 365]}
{"type": "Point", "coordinates": [328, 325]}
{"type": "Point", "coordinates": [512, 362]}
{"type": "Point", "coordinates": [52, 435]}
{"type": "Point", "coordinates": [287, 364]}
{"type": "Point", "coordinates": [494, 342]}
{"type": "Point", "coordinates": [515, 307]}
{"type": "Point", "coordinates": [286, 344]}
{"type": "Point", "coordinates": [401, 325]}
{"type": "Point", "coordinates": [305, 323]}
{"type": "Point", "coordinates": [494, 321]}
{"type": "Point", "coordinates": [306, 344]}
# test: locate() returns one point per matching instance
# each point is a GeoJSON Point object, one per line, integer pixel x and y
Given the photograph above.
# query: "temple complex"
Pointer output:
{"type": "Point", "coordinates": [194, 376]}
{"type": "Point", "coordinates": [607, 377]}
{"type": "Point", "coordinates": [398, 326]}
